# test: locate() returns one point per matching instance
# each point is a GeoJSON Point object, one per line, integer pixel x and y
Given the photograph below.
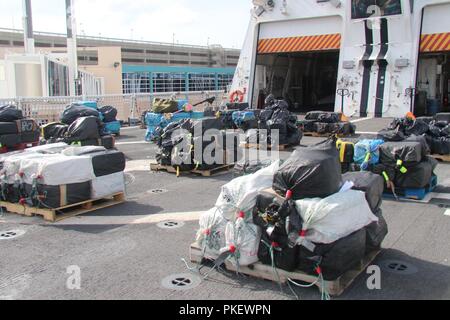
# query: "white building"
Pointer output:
{"type": "Point", "coordinates": [42, 75]}
{"type": "Point", "coordinates": [379, 54]}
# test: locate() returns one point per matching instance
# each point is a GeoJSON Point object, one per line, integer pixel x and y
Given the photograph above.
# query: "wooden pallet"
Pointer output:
{"type": "Point", "coordinates": [282, 147]}
{"type": "Point", "coordinates": [204, 173]}
{"type": "Point", "coordinates": [445, 158]}
{"type": "Point", "coordinates": [69, 211]}
{"type": "Point", "coordinates": [260, 271]}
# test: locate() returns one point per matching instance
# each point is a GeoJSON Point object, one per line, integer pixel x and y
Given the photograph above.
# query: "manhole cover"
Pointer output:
{"type": "Point", "coordinates": [181, 282]}
{"type": "Point", "coordinates": [399, 267]}
{"type": "Point", "coordinates": [170, 224]}
{"type": "Point", "coordinates": [157, 191]}
{"type": "Point", "coordinates": [11, 234]}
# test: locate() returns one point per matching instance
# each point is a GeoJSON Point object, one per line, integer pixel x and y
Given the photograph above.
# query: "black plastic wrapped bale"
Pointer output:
{"type": "Point", "coordinates": [255, 136]}
{"type": "Point", "coordinates": [434, 131]}
{"type": "Point", "coordinates": [231, 145]}
{"type": "Point", "coordinates": [418, 176]}
{"type": "Point", "coordinates": [293, 139]}
{"type": "Point", "coordinates": [227, 119]}
{"type": "Point", "coordinates": [54, 130]}
{"type": "Point", "coordinates": [85, 128]}
{"type": "Point", "coordinates": [208, 154]}
{"type": "Point", "coordinates": [329, 117]}
{"type": "Point", "coordinates": [8, 128]}
{"type": "Point", "coordinates": [164, 155]}
{"type": "Point", "coordinates": [266, 213]}
{"type": "Point", "coordinates": [10, 140]}
{"type": "Point", "coordinates": [108, 163]}
{"type": "Point", "coordinates": [381, 170]}
{"type": "Point", "coordinates": [247, 125]}
{"type": "Point", "coordinates": [443, 117]}
{"type": "Point", "coordinates": [334, 259]}
{"type": "Point", "coordinates": [322, 128]}
{"type": "Point", "coordinates": [307, 125]}
{"type": "Point", "coordinates": [446, 131]}
{"type": "Point", "coordinates": [276, 246]}
{"type": "Point", "coordinates": [9, 113]}
{"type": "Point", "coordinates": [342, 128]}
{"type": "Point", "coordinates": [376, 232]}
{"type": "Point", "coordinates": [369, 183]}
{"type": "Point", "coordinates": [410, 153]}
{"type": "Point", "coordinates": [245, 167]}
{"type": "Point", "coordinates": [238, 106]}
{"type": "Point", "coordinates": [265, 116]}
{"type": "Point", "coordinates": [423, 141]}
{"type": "Point", "coordinates": [108, 142]}
{"type": "Point", "coordinates": [109, 113]}
{"type": "Point", "coordinates": [279, 121]}
{"type": "Point", "coordinates": [310, 172]}
{"type": "Point", "coordinates": [427, 120]}
{"type": "Point", "coordinates": [75, 111]}
{"type": "Point", "coordinates": [30, 137]}
{"type": "Point", "coordinates": [391, 135]}
{"type": "Point", "coordinates": [317, 115]}
{"type": "Point", "coordinates": [206, 124]}
{"type": "Point", "coordinates": [183, 159]}
{"type": "Point", "coordinates": [54, 197]}
{"type": "Point", "coordinates": [105, 141]}
{"type": "Point", "coordinates": [14, 192]}
{"type": "Point", "coordinates": [439, 146]}
{"type": "Point", "coordinates": [440, 124]}
{"type": "Point", "coordinates": [418, 128]}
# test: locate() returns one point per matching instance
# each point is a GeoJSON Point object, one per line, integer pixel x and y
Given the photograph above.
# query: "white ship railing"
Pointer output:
{"type": "Point", "coordinates": [129, 106]}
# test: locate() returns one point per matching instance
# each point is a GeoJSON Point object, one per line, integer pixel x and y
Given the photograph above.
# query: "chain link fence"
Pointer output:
{"type": "Point", "coordinates": [129, 106]}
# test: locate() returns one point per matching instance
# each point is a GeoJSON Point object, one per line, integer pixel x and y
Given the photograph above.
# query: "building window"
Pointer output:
{"type": "Point", "coordinates": [224, 81]}
{"type": "Point", "coordinates": [169, 82]}
{"type": "Point", "coordinates": [363, 9]}
{"type": "Point", "coordinates": [136, 83]}
{"type": "Point", "coordinates": [58, 80]}
{"type": "Point", "coordinates": [140, 82]}
{"type": "Point", "coordinates": [202, 82]}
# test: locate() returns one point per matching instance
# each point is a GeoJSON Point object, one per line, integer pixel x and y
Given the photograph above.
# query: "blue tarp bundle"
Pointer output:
{"type": "Point", "coordinates": [155, 120]}
{"type": "Point", "coordinates": [367, 152]}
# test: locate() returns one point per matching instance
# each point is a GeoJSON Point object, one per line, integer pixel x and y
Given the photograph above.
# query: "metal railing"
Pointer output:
{"type": "Point", "coordinates": [49, 109]}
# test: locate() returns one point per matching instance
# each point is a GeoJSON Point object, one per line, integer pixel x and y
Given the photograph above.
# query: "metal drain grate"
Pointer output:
{"type": "Point", "coordinates": [399, 267]}
{"type": "Point", "coordinates": [157, 191]}
{"type": "Point", "coordinates": [11, 234]}
{"type": "Point", "coordinates": [181, 282]}
{"type": "Point", "coordinates": [170, 224]}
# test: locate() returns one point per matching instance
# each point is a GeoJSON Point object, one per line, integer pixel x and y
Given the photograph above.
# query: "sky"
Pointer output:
{"type": "Point", "coordinates": [196, 22]}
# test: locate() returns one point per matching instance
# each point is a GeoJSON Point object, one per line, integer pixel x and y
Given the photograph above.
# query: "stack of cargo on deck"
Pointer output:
{"type": "Point", "coordinates": [167, 111]}
{"type": "Point", "coordinates": [58, 175]}
{"type": "Point", "coordinates": [405, 166]}
{"type": "Point", "coordinates": [436, 131]}
{"type": "Point", "coordinates": [320, 123]}
{"type": "Point", "coordinates": [196, 146]}
{"type": "Point", "coordinates": [275, 126]}
{"type": "Point", "coordinates": [16, 132]}
{"type": "Point", "coordinates": [302, 220]}
{"type": "Point", "coordinates": [83, 125]}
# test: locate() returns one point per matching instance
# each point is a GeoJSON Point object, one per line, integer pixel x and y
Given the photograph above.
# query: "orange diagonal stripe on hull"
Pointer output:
{"type": "Point", "coordinates": [299, 44]}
